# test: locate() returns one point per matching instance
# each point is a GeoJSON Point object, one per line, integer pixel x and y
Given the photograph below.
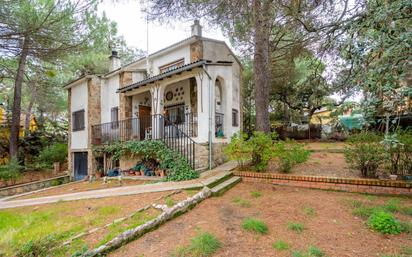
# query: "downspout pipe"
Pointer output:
{"type": "Point", "coordinates": [210, 135]}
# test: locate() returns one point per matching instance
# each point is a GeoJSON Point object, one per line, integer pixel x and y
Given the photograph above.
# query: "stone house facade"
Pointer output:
{"type": "Point", "coordinates": [187, 92]}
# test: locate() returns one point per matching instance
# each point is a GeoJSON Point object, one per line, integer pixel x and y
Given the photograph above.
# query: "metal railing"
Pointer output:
{"type": "Point", "coordinates": [177, 137]}
{"type": "Point", "coordinates": [219, 124]}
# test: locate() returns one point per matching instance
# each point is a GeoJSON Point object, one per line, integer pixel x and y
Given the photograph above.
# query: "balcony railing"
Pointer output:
{"type": "Point", "coordinates": [143, 128]}
{"type": "Point", "coordinates": [157, 127]}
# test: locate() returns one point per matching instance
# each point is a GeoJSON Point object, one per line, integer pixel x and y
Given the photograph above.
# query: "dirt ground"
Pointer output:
{"type": "Point", "coordinates": [320, 146]}
{"type": "Point", "coordinates": [82, 186]}
{"type": "Point", "coordinates": [332, 228]}
{"type": "Point", "coordinates": [321, 164]}
{"type": "Point", "coordinates": [31, 176]}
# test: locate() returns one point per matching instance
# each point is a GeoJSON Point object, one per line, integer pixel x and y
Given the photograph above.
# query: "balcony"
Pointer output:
{"type": "Point", "coordinates": [144, 128]}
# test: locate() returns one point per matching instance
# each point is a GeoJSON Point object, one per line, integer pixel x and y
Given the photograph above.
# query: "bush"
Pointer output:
{"type": "Point", "coordinates": [365, 153]}
{"type": "Point", "coordinates": [255, 225]}
{"type": "Point", "coordinates": [290, 153]}
{"type": "Point", "coordinates": [54, 153]}
{"type": "Point", "coordinates": [11, 171]}
{"type": "Point", "coordinates": [39, 247]}
{"type": "Point", "coordinates": [239, 149]}
{"type": "Point", "coordinates": [258, 149]}
{"type": "Point", "coordinates": [399, 152]}
{"type": "Point", "coordinates": [384, 223]}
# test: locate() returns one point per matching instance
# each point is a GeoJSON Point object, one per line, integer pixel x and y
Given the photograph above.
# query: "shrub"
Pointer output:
{"type": "Point", "coordinates": [384, 223]}
{"type": "Point", "coordinates": [365, 153]}
{"type": "Point", "coordinates": [290, 153]}
{"type": "Point", "coordinates": [399, 152]}
{"type": "Point", "coordinates": [255, 225]}
{"type": "Point", "coordinates": [11, 171]}
{"type": "Point", "coordinates": [280, 245]}
{"type": "Point", "coordinates": [54, 153]}
{"type": "Point", "coordinates": [239, 149]}
{"type": "Point", "coordinates": [297, 227]}
{"type": "Point", "coordinates": [262, 147]}
{"type": "Point", "coordinates": [40, 247]}
{"type": "Point", "coordinates": [203, 245]}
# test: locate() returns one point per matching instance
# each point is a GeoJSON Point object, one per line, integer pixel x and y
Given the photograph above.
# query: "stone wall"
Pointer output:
{"type": "Point", "coordinates": [196, 51]}
{"type": "Point", "coordinates": [202, 155]}
{"type": "Point", "coordinates": [125, 102]}
{"type": "Point", "coordinates": [33, 186]}
{"type": "Point", "coordinates": [94, 117]}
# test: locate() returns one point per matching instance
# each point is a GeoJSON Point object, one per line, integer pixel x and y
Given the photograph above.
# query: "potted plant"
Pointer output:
{"type": "Point", "coordinates": [99, 173]}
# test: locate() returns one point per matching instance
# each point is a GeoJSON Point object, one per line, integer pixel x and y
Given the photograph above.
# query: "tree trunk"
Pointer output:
{"type": "Point", "coordinates": [30, 106]}
{"type": "Point", "coordinates": [16, 109]}
{"type": "Point", "coordinates": [261, 14]}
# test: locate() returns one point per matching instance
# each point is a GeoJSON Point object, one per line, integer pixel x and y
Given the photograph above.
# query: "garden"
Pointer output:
{"type": "Point", "coordinates": [264, 220]}
{"type": "Point", "coordinates": [365, 154]}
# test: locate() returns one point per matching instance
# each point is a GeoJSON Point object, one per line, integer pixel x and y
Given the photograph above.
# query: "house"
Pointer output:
{"type": "Point", "coordinates": [188, 95]}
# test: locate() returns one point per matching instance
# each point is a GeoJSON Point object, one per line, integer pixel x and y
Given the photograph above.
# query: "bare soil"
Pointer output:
{"type": "Point", "coordinates": [321, 164]}
{"type": "Point", "coordinates": [323, 146]}
{"type": "Point", "coordinates": [31, 176]}
{"type": "Point", "coordinates": [82, 186]}
{"type": "Point", "coordinates": [332, 228]}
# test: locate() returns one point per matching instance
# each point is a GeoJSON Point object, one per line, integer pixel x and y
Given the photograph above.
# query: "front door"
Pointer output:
{"type": "Point", "coordinates": [145, 121]}
{"type": "Point", "coordinates": [80, 165]}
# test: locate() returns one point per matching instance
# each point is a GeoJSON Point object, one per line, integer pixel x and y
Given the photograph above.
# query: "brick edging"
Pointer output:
{"type": "Point", "coordinates": [330, 183]}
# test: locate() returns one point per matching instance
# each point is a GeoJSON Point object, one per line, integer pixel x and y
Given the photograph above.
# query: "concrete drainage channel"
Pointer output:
{"type": "Point", "coordinates": [214, 187]}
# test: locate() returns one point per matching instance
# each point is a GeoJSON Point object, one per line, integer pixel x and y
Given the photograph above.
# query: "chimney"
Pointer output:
{"type": "Point", "coordinates": [114, 61]}
{"type": "Point", "coordinates": [196, 29]}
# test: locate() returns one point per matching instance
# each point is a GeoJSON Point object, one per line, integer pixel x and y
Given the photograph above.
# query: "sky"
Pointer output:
{"type": "Point", "coordinates": [132, 26]}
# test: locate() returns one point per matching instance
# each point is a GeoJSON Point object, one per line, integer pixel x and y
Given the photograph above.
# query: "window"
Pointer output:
{"type": "Point", "coordinates": [115, 117]}
{"type": "Point", "coordinates": [175, 114]}
{"type": "Point", "coordinates": [78, 120]}
{"type": "Point", "coordinates": [235, 118]}
{"type": "Point", "coordinates": [172, 65]}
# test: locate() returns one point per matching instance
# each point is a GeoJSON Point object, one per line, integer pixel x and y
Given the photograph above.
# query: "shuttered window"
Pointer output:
{"type": "Point", "coordinates": [235, 118]}
{"type": "Point", "coordinates": [115, 117]}
{"type": "Point", "coordinates": [78, 120]}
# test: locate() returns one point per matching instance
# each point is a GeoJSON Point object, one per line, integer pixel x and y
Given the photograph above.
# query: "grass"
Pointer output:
{"type": "Point", "coordinates": [311, 252]}
{"type": "Point", "coordinates": [255, 225]}
{"type": "Point", "coordinates": [202, 245]}
{"type": "Point", "coordinates": [309, 211]}
{"type": "Point", "coordinates": [241, 202]}
{"type": "Point", "coordinates": [280, 245]}
{"type": "Point", "coordinates": [256, 194]}
{"type": "Point", "coordinates": [297, 227]}
{"type": "Point", "coordinates": [169, 201]}
{"type": "Point", "coordinates": [108, 210]}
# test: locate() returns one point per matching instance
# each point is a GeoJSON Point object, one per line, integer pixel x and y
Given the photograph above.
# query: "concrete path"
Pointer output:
{"type": "Point", "coordinates": [205, 179]}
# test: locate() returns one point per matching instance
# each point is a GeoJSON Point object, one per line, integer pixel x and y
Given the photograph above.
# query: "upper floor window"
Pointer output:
{"type": "Point", "coordinates": [78, 120]}
{"type": "Point", "coordinates": [172, 65]}
{"type": "Point", "coordinates": [235, 118]}
{"type": "Point", "coordinates": [114, 113]}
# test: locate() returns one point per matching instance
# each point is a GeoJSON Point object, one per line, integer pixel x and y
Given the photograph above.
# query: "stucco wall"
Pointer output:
{"type": "Point", "coordinates": [109, 97]}
{"type": "Point", "coordinates": [179, 53]}
{"type": "Point", "coordinates": [78, 102]}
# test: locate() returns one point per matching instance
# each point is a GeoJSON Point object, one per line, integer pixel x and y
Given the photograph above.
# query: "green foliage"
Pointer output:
{"type": "Point", "coordinates": [169, 201]}
{"type": "Point", "coordinates": [309, 211]}
{"type": "Point", "coordinates": [280, 245]}
{"type": "Point", "coordinates": [297, 227]}
{"type": "Point", "coordinates": [176, 166]}
{"type": "Point", "coordinates": [241, 202]}
{"type": "Point", "coordinates": [239, 149]}
{"type": "Point", "coordinates": [290, 153]}
{"type": "Point", "coordinates": [365, 152]}
{"type": "Point", "coordinates": [313, 251]}
{"type": "Point", "coordinates": [257, 148]}
{"type": "Point", "coordinates": [256, 194]}
{"type": "Point", "coordinates": [54, 153]}
{"type": "Point", "coordinates": [10, 171]}
{"type": "Point", "coordinates": [384, 223]}
{"type": "Point", "coordinates": [255, 225]}
{"type": "Point", "coordinates": [398, 148]}
{"type": "Point", "coordinates": [40, 247]}
{"type": "Point", "coordinates": [203, 245]}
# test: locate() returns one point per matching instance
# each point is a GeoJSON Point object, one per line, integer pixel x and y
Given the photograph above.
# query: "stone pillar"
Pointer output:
{"type": "Point", "coordinates": [157, 94]}
{"type": "Point", "coordinates": [94, 118]}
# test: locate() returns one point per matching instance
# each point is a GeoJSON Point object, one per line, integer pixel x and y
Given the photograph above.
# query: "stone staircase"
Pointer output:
{"type": "Point", "coordinates": [221, 182]}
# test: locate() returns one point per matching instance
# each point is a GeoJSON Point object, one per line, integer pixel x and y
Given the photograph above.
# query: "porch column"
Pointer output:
{"type": "Point", "coordinates": [157, 93]}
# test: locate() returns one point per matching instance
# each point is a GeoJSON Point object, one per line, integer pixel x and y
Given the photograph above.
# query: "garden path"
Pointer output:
{"type": "Point", "coordinates": [206, 178]}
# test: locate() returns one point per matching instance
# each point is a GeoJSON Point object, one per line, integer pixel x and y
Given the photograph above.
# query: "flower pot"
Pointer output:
{"type": "Point", "coordinates": [98, 174]}
{"type": "Point", "coordinates": [393, 177]}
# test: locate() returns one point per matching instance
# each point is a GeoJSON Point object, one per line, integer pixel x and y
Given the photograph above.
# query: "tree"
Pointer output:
{"type": "Point", "coordinates": [41, 30]}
